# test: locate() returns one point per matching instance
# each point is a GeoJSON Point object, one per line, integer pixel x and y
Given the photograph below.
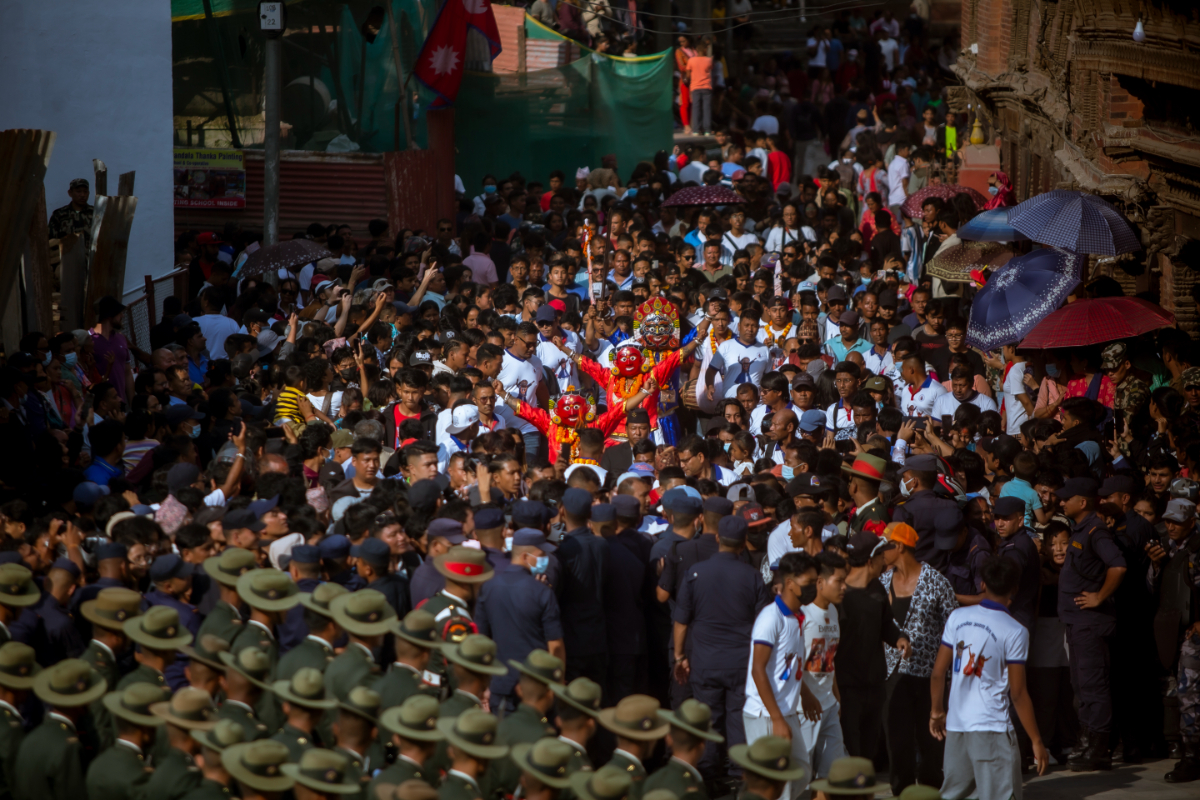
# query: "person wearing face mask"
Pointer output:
{"type": "Point", "coordinates": [519, 611]}
{"type": "Point", "coordinates": [776, 695]}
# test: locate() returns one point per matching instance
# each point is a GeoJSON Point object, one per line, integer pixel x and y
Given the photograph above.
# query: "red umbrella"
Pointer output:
{"type": "Point", "coordinates": [1105, 319]}
{"type": "Point", "coordinates": [946, 191]}
{"type": "Point", "coordinates": [704, 196]}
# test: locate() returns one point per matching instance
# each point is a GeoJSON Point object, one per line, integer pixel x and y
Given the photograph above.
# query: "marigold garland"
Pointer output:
{"type": "Point", "coordinates": [777, 337]}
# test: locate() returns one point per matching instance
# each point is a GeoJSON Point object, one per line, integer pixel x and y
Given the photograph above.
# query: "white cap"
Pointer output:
{"type": "Point", "coordinates": [283, 547]}
{"type": "Point", "coordinates": [582, 173]}
{"type": "Point", "coordinates": [462, 418]}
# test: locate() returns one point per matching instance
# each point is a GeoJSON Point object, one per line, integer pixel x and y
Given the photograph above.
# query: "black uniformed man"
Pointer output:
{"type": "Point", "coordinates": [366, 616]}
{"type": "Point", "coordinates": [607, 783]}
{"type": "Point", "coordinates": [768, 767]}
{"type": "Point", "coordinates": [472, 742]}
{"type": "Point", "coordinates": [322, 773]}
{"type": "Point", "coordinates": [269, 593]}
{"type": "Point", "coordinates": [304, 704]}
{"type": "Point", "coordinates": [1017, 546]}
{"type": "Point", "coordinates": [530, 721]}
{"type": "Point", "coordinates": [246, 679]}
{"type": "Point", "coordinates": [217, 782]}
{"type": "Point", "coordinates": [968, 550]}
{"type": "Point", "coordinates": [1092, 572]}
{"type": "Point", "coordinates": [519, 612]}
{"type": "Point", "coordinates": [176, 774]}
{"type": "Point", "coordinates": [257, 767]}
{"type": "Point", "coordinates": [18, 668]}
{"type": "Point", "coordinates": [691, 730]}
{"type": "Point", "coordinates": [584, 559]}
{"type": "Point", "coordinates": [578, 707]}
{"type": "Point", "coordinates": [543, 767]}
{"type": "Point", "coordinates": [464, 569]}
{"type": "Point", "coordinates": [637, 726]}
{"type": "Point", "coordinates": [442, 534]}
{"type": "Point", "coordinates": [107, 612]}
{"type": "Point", "coordinates": [305, 569]}
{"type": "Point", "coordinates": [414, 732]}
{"type": "Point", "coordinates": [355, 736]}
{"type": "Point", "coordinates": [51, 757]}
{"type": "Point", "coordinates": [61, 637]}
{"type": "Point", "coordinates": [374, 566]}
{"type": "Point", "coordinates": [918, 477]}
{"type": "Point", "coordinates": [415, 639]}
{"type": "Point", "coordinates": [627, 594]}
{"type": "Point", "coordinates": [122, 771]}
{"type": "Point", "coordinates": [316, 649]}
{"type": "Point", "coordinates": [225, 620]}
{"type": "Point", "coordinates": [717, 605]}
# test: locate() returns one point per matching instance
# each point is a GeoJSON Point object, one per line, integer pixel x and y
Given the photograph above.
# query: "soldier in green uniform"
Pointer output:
{"type": "Point", "coordinates": [578, 707]}
{"type": "Point", "coordinates": [637, 726]}
{"type": "Point", "coordinates": [473, 742]}
{"type": "Point", "coordinates": [51, 757]}
{"type": "Point", "coordinates": [204, 669]}
{"type": "Point", "coordinates": [304, 703]}
{"type": "Point", "coordinates": [474, 663]}
{"type": "Point", "coordinates": [864, 477]}
{"type": "Point", "coordinates": [121, 772]}
{"type": "Point", "coordinates": [157, 634]}
{"type": "Point", "coordinates": [316, 650]}
{"type": "Point", "coordinates": [176, 774]}
{"type": "Point", "coordinates": [18, 668]}
{"type": "Point", "coordinates": [17, 591]}
{"type": "Point", "coordinates": [366, 617]}
{"type": "Point", "coordinates": [225, 620]}
{"type": "Point", "coordinates": [465, 570]}
{"type": "Point", "coordinates": [355, 735]}
{"type": "Point", "coordinates": [321, 773]}
{"type": "Point", "coordinates": [1131, 387]}
{"type": "Point", "coordinates": [217, 782]}
{"type": "Point", "coordinates": [543, 767]}
{"type": "Point", "coordinates": [848, 778]}
{"type": "Point", "coordinates": [269, 593]}
{"type": "Point", "coordinates": [76, 216]}
{"type": "Point", "coordinates": [530, 722]}
{"type": "Point", "coordinates": [257, 767]}
{"type": "Point", "coordinates": [246, 676]}
{"type": "Point", "coordinates": [414, 643]}
{"type": "Point", "coordinates": [414, 732]}
{"type": "Point", "coordinates": [607, 783]}
{"type": "Point", "coordinates": [108, 612]}
{"type": "Point", "coordinates": [767, 768]}
{"type": "Point", "coordinates": [691, 730]}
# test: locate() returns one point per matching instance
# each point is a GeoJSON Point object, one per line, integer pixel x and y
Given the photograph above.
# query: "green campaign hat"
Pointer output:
{"type": "Point", "coordinates": [768, 756]}
{"type": "Point", "coordinates": [323, 771]}
{"type": "Point", "coordinates": [582, 694]}
{"type": "Point", "coordinates": [920, 792]}
{"type": "Point", "coordinates": [318, 599]}
{"type": "Point", "coordinates": [420, 628]}
{"type": "Point", "coordinates": [695, 718]}
{"type": "Point", "coordinates": [364, 702]}
{"type": "Point", "coordinates": [635, 717]}
{"type": "Point", "coordinates": [17, 587]}
{"type": "Point", "coordinates": [547, 759]}
{"type": "Point", "coordinates": [416, 718]}
{"type": "Point", "coordinates": [232, 564]}
{"type": "Point", "coordinates": [363, 613]}
{"type": "Point", "coordinates": [606, 783]}
{"type": "Point", "coordinates": [540, 665]}
{"type": "Point", "coordinates": [207, 650]}
{"type": "Point", "coordinates": [305, 689]}
{"type": "Point", "coordinates": [251, 663]}
{"type": "Point", "coordinates": [268, 590]}
{"type": "Point", "coordinates": [189, 708]}
{"type": "Point", "coordinates": [18, 665]}
{"type": "Point", "coordinates": [226, 733]}
{"type": "Point", "coordinates": [69, 683]}
{"type": "Point", "coordinates": [850, 775]}
{"type": "Point", "coordinates": [258, 765]}
{"type": "Point", "coordinates": [112, 607]}
{"type": "Point", "coordinates": [133, 703]}
{"type": "Point", "coordinates": [158, 629]}
{"type": "Point", "coordinates": [473, 732]}
{"type": "Point", "coordinates": [476, 653]}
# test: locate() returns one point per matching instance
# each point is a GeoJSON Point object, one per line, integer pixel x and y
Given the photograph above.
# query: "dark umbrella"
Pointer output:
{"type": "Point", "coordinates": [1104, 319]}
{"type": "Point", "coordinates": [991, 226]}
{"type": "Point", "coordinates": [1077, 221]}
{"type": "Point", "coordinates": [704, 196]}
{"type": "Point", "coordinates": [956, 263]}
{"type": "Point", "coordinates": [284, 255]}
{"type": "Point", "coordinates": [1020, 294]}
{"type": "Point", "coordinates": [945, 191]}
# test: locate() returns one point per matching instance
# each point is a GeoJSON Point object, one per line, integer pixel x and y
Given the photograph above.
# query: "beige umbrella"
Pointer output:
{"type": "Point", "coordinates": [956, 263]}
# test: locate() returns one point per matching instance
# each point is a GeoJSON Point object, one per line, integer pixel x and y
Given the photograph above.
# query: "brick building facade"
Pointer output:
{"type": "Point", "coordinates": [1074, 102]}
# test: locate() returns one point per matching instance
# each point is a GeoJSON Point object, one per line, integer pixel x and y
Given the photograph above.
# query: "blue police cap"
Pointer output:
{"type": "Point", "coordinates": [528, 537]}
{"type": "Point", "coordinates": [373, 551]}
{"type": "Point", "coordinates": [109, 550]}
{"type": "Point", "coordinates": [718, 505]}
{"type": "Point", "coordinates": [448, 529]}
{"type": "Point", "coordinates": [733, 528]}
{"type": "Point", "coordinates": [921, 463]}
{"type": "Point", "coordinates": [603, 512]}
{"type": "Point", "coordinates": [169, 566]}
{"type": "Point", "coordinates": [260, 507]}
{"type": "Point", "coordinates": [1077, 487]}
{"type": "Point", "coordinates": [627, 506]}
{"type": "Point", "coordinates": [242, 518]}
{"type": "Point", "coordinates": [578, 503]}
{"type": "Point", "coordinates": [1008, 505]}
{"type": "Point", "coordinates": [488, 518]}
{"type": "Point", "coordinates": [306, 554]}
{"type": "Point", "coordinates": [527, 514]}
{"type": "Point", "coordinates": [68, 565]}
{"type": "Point", "coordinates": [335, 547]}
{"type": "Point", "coordinates": [681, 502]}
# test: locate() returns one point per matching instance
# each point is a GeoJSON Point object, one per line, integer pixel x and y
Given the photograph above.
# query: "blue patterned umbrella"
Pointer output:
{"type": "Point", "coordinates": [1021, 294]}
{"type": "Point", "coordinates": [1075, 221]}
{"type": "Point", "coordinates": [990, 226]}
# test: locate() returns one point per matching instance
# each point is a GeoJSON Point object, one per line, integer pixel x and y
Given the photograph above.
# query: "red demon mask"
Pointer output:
{"type": "Point", "coordinates": [628, 362]}
{"type": "Point", "coordinates": [571, 408]}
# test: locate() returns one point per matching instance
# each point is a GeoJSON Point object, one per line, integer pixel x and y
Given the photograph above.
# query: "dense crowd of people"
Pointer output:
{"type": "Point", "coordinates": [705, 494]}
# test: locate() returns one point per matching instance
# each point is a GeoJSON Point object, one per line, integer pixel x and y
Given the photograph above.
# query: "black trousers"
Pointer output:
{"type": "Point", "coordinates": [1136, 697]}
{"type": "Point", "coordinates": [1091, 671]}
{"type": "Point", "coordinates": [862, 718]}
{"type": "Point", "coordinates": [594, 667]}
{"type": "Point", "coordinates": [1054, 704]}
{"type": "Point", "coordinates": [914, 754]}
{"type": "Point", "coordinates": [723, 691]}
{"type": "Point", "coordinates": [626, 676]}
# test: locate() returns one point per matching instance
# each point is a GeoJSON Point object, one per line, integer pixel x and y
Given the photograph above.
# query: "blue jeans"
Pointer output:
{"type": "Point", "coordinates": [702, 110]}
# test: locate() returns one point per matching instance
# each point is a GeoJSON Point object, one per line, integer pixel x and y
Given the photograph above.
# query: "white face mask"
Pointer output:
{"type": "Point", "coordinates": [904, 490]}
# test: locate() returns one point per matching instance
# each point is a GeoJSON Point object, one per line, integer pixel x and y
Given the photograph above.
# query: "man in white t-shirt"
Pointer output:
{"type": "Point", "coordinates": [822, 632]}
{"type": "Point", "coordinates": [1016, 407]}
{"type": "Point", "coordinates": [776, 694]}
{"type": "Point", "coordinates": [962, 390]}
{"type": "Point", "coordinates": [736, 238]}
{"type": "Point", "coordinates": [740, 359]}
{"type": "Point", "coordinates": [984, 648]}
{"type": "Point", "coordinates": [553, 358]}
{"type": "Point", "coordinates": [890, 49]}
{"type": "Point", "coordinates": [921, 392]}
{"type": "Point", "coordinates": [897, 177]}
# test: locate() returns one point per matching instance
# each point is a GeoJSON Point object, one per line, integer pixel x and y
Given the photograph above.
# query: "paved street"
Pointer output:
{"type": "Point", "coordinates": [1143, 780]}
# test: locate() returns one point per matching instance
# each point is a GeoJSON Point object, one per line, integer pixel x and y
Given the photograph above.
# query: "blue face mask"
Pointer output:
{"type": "Point", "coordinates": [508, 544]}
{"type": "Point", "coordinates": [195, 434]}
{"type": "Point", "coordinates": [787, 473]}
{"type": "Point", "coordinates": [543, 563]}
{"type": "Point", "coordinates": [489, 189]}
{"type": "Point", "coordinates": [1052, 369]}
{"type": "Point", "coordinates": [46, 360]}
{"type": "Point", "coordinates": [70, 359]}
{"type": "Point", "coordinates": [993, 190]}
{"type": "Point", "coordinates": [727, 446]}
{"type": "Point", "coordinates": [864, 279]}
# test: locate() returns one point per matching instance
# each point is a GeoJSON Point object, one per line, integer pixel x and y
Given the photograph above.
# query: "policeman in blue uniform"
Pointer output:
{"type": "Point", "coordinates": [519, 612]}
{"type": "Point", "coordinates": [718, 602]}
{"type": "Point", "coordinates": [335, 551]}
{"type": "Point", "coordinates": [584, 559]}
{"type": "Point", "coordinates": [627, 594]}
{"type": "Point", "coordinates": [376, 556]}
{"type": "Point", "coordinates": [489, 528]}
{"type": "Point", "coordinates": [172, 580]}
{"type": "Point", "coordinates": [110, 564]}
{"type": "Point", "coordinates": [918, 477]}
{"type": "Point", "coordinates": [685, 555]}
{"type": "Point", "coordinates": [441, 535]}
{"type": "Point", "coordinates": [968, 550]}
{"type": "Point", "coordinates": [1015, 544]}
{"type": "Point", "coordinates": [305, 567]}
{"type": "Point", "coordinates": [1091, 574]}
{"type": "Point", "coordinates": [62, 639]}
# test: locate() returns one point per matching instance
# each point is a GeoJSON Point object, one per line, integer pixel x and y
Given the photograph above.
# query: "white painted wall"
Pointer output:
{"type": "Point", "coordinates": [99, 75]}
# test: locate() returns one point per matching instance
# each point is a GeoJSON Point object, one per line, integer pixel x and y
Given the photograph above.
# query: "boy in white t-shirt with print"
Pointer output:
{"type": "Point", "coordinates": [823, 735]}
{"type": "Point", "coordinates": [776, 694]}
{"type": "Point", "coordinates": [984, 648]}
{"type": "Point", "coordinates": [1016, 406]}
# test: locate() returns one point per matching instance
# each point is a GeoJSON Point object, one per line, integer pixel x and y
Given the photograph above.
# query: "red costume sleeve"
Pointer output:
{"type": "Point", "coordinates": [535, 416]}
{"type": "Point", "coordinates": [664, 369]}
{"type": "Point", "coordinates": [607, 422]}
{"type": "Point", "coordinates": [596, 372]}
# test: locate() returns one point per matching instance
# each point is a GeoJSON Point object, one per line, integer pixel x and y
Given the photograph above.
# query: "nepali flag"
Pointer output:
{"type": "Point", "coordinates": [442, 59]}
